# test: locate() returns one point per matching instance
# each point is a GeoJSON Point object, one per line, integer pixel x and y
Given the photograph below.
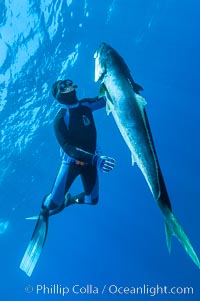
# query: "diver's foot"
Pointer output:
{"type": "Point", "coordinates": [67, 199]}
{"type": "Point", "coordinates": [49, 207]}
{"type": "Point", "coordinates": [76, 199]}
{"type": "Point", "coordinates": [49, 204]}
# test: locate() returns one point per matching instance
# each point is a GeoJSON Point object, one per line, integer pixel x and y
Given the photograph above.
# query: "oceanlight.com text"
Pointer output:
{"type": "Point", "coordinates": [107, 289]}
{"type": "Point", "coordinates": [151, 290]}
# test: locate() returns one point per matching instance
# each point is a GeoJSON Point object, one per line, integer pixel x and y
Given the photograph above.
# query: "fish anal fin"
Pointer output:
{"type": "Point", "coordinates": [141, 101]}
{"type": "Point", "coordinates": [132, 159]}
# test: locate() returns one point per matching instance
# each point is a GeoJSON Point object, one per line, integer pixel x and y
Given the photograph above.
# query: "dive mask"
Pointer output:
{"type": "Point", "coordinates": [63, 85]}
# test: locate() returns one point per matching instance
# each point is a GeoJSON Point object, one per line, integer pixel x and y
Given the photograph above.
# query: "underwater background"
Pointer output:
{"type": "Point", "coordinates": [121, 241]}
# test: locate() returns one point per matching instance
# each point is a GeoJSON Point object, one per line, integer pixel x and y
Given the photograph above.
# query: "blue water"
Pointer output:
{"type": "Point", "coordinates": [121, 241]}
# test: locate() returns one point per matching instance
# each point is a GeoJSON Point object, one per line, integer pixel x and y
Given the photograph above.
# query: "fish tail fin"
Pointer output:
{"type": "Point", "coordinates": [168, 234]}
{"type": "Point", "coordinates": [173, 227]}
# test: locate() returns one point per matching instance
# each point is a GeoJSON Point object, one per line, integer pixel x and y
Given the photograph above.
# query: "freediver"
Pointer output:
{"type": "Point", "coordinates": [75, 131]}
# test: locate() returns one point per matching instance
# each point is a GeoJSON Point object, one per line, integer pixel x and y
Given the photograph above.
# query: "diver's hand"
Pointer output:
{"type": "Point", "coordinates": [104, 163]}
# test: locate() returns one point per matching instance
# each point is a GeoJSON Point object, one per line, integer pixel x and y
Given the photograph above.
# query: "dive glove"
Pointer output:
{"type": "Point", "coordinates": [104, 163]}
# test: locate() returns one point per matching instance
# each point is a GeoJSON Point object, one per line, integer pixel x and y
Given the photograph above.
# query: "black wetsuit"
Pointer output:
{"type": "Point", "coordinates": [76, 133]}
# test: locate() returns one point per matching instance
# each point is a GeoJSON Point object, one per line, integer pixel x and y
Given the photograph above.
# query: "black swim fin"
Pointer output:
{"type": "Point", "coordinates": [36, 244]}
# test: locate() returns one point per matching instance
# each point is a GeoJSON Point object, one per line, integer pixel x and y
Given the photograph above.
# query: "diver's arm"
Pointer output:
{"type": "Point", "coordinates": [63, 138]}
{"type": "Point", "coordinates": [104, 163]}
{"type": "Point", "coordinates": [95, 103]}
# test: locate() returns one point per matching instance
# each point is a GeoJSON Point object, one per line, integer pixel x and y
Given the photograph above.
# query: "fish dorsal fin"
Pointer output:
{"type": "Point", "coordinates": [136, 88]}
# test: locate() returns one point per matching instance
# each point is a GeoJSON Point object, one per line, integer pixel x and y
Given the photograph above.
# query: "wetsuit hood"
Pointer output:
{"type": "Point", "coordinates": [67, 98]}
{"type": "Point", "coordinates": [58, 91]}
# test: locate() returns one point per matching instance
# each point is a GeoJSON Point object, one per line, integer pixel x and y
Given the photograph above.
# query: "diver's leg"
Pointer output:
{"type": "Point", "coordinates": [74, 199]}
{"type": "Point", "coordinates": [66, 175]}
{"type": "Point", "coordinates": [90, 181]}
{"type": "Point", "coordinates": [53, 204]}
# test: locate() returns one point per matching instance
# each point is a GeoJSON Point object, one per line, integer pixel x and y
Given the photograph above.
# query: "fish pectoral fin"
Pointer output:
{"type": "Point", "coordinates": [104, 92]}
{"type": "Point", "coordinates": [108, 109]}
{"type": "Point", "coordinates": [173, 227]}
